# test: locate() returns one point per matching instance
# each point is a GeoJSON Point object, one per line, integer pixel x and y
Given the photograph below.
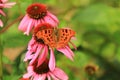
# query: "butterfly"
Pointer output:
{"type": "Point", "coordinates": [55, 37]}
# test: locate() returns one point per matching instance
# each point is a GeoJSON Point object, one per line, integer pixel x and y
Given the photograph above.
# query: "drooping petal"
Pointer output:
{"type": "Point", "coordinates": [50, 21]}
{"type": "Point", "coordinates": [36, 76]}
{"type": "Point", "coordinates": [37, 22]}
{"type": "Point", "coordinates": [29, 27]}
{"type": "Point", "coordinates": [48, 77]}
{"type": "Point", "coordinates": [34, 46]}
{"type": "Point", "coordinates": [43, 56]}
{"type": "Point", "coordinates": [9, 5]}
{"type": "Point", "coordinates": [1, 12]}
{"type": "Point", "coordinates": [53, 77]}
{"type": "Point", "coordinates": [24, 23]}
{"type": "Point", "coordinates": [53, 17]}
{"type": "Point", "coordinates": [27, 75]}
{"type": "Point", "coordinates": [66, 53]}
{"type": "Point", "coordinates": [30, 68]}
{"type": "Point", "coordinates": [70, 51]}
{"type": "Point", "coordinates": [36, 54]}
{"type": "Point", "coordinates": [1, 23]}
{"type": "Point", "coordinates": [60, 74]}
{"type": "Point", "coordinates": [52, 60]}
{"type": "Point", "coordinates": [30, 44]}
{"type": "Point", "coordinates": [28, 56]}
{"type": "Point", "coordinates": [42, 77]}
{"type": "Point", "coordinates": [4, 1]}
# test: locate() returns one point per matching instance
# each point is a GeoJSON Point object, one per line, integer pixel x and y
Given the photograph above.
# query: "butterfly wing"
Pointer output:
{"type": "Point", "coordinates": [47, 36]}
{"type": "Point", "coordinates": [64, 36]}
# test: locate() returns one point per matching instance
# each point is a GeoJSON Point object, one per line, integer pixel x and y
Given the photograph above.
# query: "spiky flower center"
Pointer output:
{"type": "Point", "coordinates": [90, 69]}
{"type": "Point", "coordinates": [37, 11]}
{"type": "Point", "coordinates": [43, 68]}
{"type": "Point", "coordinates": [1, 1]}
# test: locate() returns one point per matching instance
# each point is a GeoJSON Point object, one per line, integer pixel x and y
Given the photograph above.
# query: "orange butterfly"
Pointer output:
{"type": "Point", "coordinates": [55, 38]}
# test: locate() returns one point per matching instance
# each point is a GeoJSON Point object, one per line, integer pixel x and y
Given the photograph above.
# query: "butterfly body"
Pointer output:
{"type": "Point", "coordinates": [55, 38]}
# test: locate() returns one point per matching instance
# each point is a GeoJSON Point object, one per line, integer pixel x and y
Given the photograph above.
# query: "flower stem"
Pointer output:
{"type": "Point", "coordinates": [9, 25]}
{"type": "Point", "coordinates": [1, 50]}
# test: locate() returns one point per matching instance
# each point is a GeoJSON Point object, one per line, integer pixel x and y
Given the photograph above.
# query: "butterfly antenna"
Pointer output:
{"type": "Point", "coordinates": [73, 45]}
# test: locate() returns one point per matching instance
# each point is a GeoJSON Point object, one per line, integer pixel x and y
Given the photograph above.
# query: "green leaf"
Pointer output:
{"type": "Point", "coordinates": [13, 38]}
{"type": "Point", "coordinates": [6, 60]}
{"type": "Point", "coordinates": [11, 77]}
{"type": "Point", "coordinates": [116, 37]}
{"type": "Point", "coordinates": [97, 14]}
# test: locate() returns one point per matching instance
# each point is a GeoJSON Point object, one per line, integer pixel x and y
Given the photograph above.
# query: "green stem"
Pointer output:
{"type": "Point", "coordinates": [1, 50]}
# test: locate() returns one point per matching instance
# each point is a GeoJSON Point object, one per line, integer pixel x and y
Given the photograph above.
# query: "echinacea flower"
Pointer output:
{"type": "Point", "coordinates": [42, 72]}
{"type": "Point", "coordinates": [91, 69]}
{"type": "Point", "coordinates": [4, 4]}
{"type": "Point", "coordinates": [37, 13]}
{"type": "Point", "coordinates": [37, 48]}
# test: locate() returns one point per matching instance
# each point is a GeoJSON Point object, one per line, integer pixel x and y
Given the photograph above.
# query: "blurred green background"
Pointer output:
{"type": "Point", "coordinates": [97, 26]}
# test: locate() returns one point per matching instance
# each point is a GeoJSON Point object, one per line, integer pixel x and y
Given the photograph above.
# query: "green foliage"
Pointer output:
{"type": "Point", "coordinates": [97, 26]}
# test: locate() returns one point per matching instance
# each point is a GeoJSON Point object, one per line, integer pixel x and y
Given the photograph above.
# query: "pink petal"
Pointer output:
{"type": "Point", "coordinates": [31, 42]}
{"type": "Point", "coordinates": [36, 54]}
{"type": "Point", "coordinates": [35, 77]}
{"type": "Point", "coordinates": [42, 77]}
{"type": "Point", "coordinates": [1, 23]}
{"type": "Point", "coordinates": [1, 12]}
{"type": "Point", "coordinates": [4, 1]}
{"type": "Point", "coordinates": [66, 53]}
{"type": "Point", "coordinates": [70, 51]}
{"type": "Point", "coordinates": [43, 56]}
{"type": "Point", "coordinates": [36, 22]}
{"type": "Point", "coordinates": [60, 74]}
{"type": "Point", "coordinates": [27, 75]}
{"type": "Point", "coordinates": [73, 38]}
{"type": "Point", "coordinates": [54, 78]}
{"type": "Point", "coordinates": [33, 46]}
{"type": "Point", "coordinates": [24, 22]}
{"type": "Point", "coordinates": [48, 77]}
{"type": "Point", "coordinates": [1, 5]}
{"type": "Point", "coordinates": [49, 20]}
{"type": "Point", "coordinates": [9, 5]}
{"type": "Point", "coordinates": [53, 17]}
{"type": "Point", "coordinates": [28, 56]}
{"type": "Point", "coordinates": [30, 68]}
{"type": "Point", "coordinates": [52, 60]}
{"type": "Point", "coordinates": [29, 27]}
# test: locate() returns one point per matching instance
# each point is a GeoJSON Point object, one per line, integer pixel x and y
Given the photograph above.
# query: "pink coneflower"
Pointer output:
{"type": "Point", "coordinates": [42, 72]}
{"type": "Point", "coordinates": [36, 14]}
{"type": "Point", "coordinates": [37, 48]}
{"type": "Point", "coordinates": [4, 4]}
